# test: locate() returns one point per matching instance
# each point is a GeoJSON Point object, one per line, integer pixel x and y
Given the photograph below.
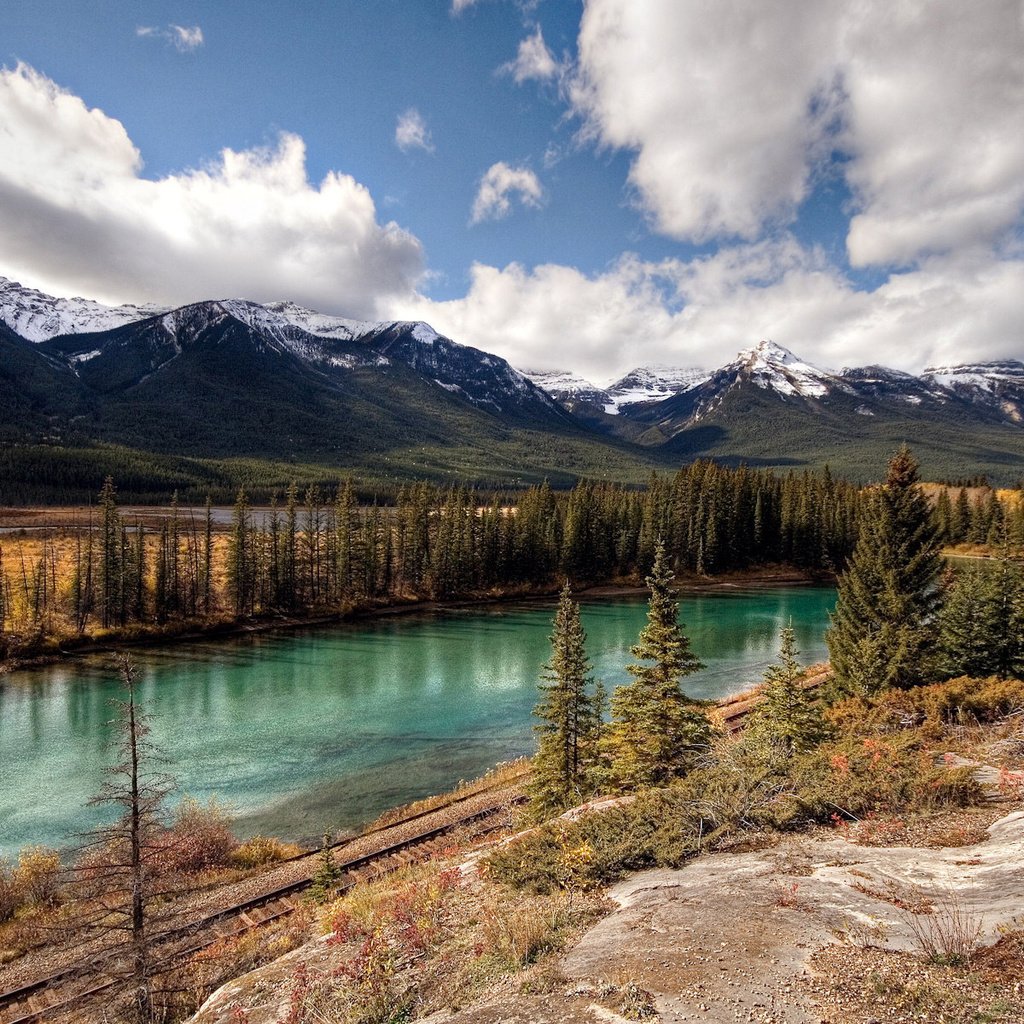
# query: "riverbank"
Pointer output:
{"type": "Point", "coordinates": [44, 650]}
{"type": "Point", "coordinates": [328, 726]}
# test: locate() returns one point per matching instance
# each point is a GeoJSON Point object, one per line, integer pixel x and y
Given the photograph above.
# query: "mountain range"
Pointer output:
{"type": "Point", "coordinates": [240, 390]}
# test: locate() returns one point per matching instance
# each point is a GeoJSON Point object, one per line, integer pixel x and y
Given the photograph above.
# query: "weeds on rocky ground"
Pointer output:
{"type": "Point", "coordinates": [427, 938]}
{"type": "Point", "coordinates": [945, 931]}
{"type": "Point", "coordinates": [985, 990]}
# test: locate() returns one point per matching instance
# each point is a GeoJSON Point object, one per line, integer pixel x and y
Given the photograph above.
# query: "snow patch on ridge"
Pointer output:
{"type": "Point", "coordinates": [775, 368]}
{"type": "Point", "coordinates": [38, 317]}
{"type": "Point", "coordinates": [652, 383]}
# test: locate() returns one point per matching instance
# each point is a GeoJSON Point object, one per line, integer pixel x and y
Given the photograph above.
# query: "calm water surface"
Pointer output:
{"type": "Point", "coordinates": [325, 728]}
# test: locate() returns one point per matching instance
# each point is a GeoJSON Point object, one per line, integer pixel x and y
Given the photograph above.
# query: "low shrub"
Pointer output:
{"type": "Point", "coordinates": [855, 776]}
{"type": "Point", "coordinates": [260, 850]}
{"type": "Point", "coordinates": [198, 838]}
{"type": "Point", "coordinates": [9, 900]}
{"type": "Point", "coordinates": [933, 707]}
{"type": "Point", "coordinates": [37, 877]}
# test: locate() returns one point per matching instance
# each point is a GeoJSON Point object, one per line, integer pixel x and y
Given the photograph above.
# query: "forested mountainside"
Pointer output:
{"type": "Point", "coordinates": [214, 394]}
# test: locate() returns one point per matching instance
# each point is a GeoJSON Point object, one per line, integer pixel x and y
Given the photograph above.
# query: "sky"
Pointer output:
{"type": "Point", "coordinates": [589, 186]}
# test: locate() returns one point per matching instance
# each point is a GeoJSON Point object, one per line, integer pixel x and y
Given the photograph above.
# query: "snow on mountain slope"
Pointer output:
{"type": "Point", "coordinates": [981, 376]}
{"type": "Point", "coordinates": [38, 317]}
{"type": "Point", "coordinates": [567, 387]}
{"type": "Point", "coordinates": [774, 368]}
{"type": "Point", "coordinates": [652, 384]}
{"type": "Point", "coordinates": [321, 324]}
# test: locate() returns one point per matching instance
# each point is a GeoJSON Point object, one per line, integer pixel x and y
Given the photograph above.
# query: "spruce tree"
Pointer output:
{"type": "Point", "coordinates": [111, 570]}
{"type": "Point", "coordinates": [657, 731]}
{"type": "Point", "coordinates": [883, 627]}
{"type": "Point", "coordinates": [569, 716]}
{"type": "Point", "coordinates": [787, 713]}
{"type": "Point", "coordinates": [981, 627]}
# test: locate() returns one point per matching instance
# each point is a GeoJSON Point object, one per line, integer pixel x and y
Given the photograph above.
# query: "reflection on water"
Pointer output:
{"type": "Point", "coordinates": [327, 727]}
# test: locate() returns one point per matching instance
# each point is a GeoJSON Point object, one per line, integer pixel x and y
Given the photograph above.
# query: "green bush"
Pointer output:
{"type": "Point", "coordinates": [882, 774]}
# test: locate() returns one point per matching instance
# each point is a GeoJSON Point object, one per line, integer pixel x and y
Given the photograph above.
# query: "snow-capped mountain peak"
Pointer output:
{"type": "Point", "coordinates": [320, 324]}
{"type": "Point", "coordinates": [774, 368]}
{"type": "Point", "coordinates": [567, 387]}
{"type": "Point", "coordinates": [652, 383]}
{"type": "Point", "coordinates": [984, 376]}
{"type": "Point", "coordinates": [38, 317]}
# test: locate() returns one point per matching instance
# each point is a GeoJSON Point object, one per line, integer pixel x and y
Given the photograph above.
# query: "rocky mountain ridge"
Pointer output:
{"type": "Point", "coordinates": [232, 377]}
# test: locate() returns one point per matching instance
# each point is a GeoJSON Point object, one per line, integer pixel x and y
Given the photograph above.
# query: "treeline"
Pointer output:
{"type": "Point", "coordinates": [313, 552]}
{"type": "Point", "coordinates": [310, 552]}
{"type": "Point", "coordinates": [988, 520]}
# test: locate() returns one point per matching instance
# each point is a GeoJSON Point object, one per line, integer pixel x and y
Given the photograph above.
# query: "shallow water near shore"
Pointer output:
{"type": "Point", "coordinates": [320, 728]}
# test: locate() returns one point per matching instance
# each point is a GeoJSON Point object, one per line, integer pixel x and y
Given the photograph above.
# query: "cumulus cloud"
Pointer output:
{"type": "Point", "coordinates": [499, 185]}
{"type": "Point", "coordinates": [713, 99]}
{"type": "Point", "coordinates": [79, 217]}
{"type": "Point", "coordinates": [183, 38]}
{"type": "Point", "coordinates": [458, 6]}
{"type": "Point", "coordinates": [533, 61]}
{"type": "Point", "coordinates": [933, 127]}
{"type": "Point", "coordinates": [730, 107]}
{"type": "Point", "coordinates": [701, 312]}
{"type": "Point", "coordinates": [411, 132]}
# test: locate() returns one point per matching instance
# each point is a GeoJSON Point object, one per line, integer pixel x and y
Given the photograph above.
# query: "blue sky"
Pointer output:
{"type": "Point", "coordinates": [591, 185]}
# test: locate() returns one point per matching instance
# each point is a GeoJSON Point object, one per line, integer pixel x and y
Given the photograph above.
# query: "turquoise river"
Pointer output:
{"type": "Point", "coordinates": [299, 731]}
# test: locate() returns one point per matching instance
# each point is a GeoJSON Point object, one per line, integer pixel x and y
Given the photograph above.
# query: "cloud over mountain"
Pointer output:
{"type": "Point", "coordinates": [730, 108]}
{"type": "Point", "coordinates": [79, 215]}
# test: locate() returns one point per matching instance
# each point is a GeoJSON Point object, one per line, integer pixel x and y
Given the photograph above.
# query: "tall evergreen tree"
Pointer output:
{"type": "Point", "coordinates": [787, 713]}
{"type": "Point", "coordinates": [883, 628]}
{"type": "Point", "coordinates": [110, 574]}
{"type": "Point", "coordinates": [657, 731]}
{"type": "Point", "coordinates": [981, 626]}
{"type": "Point", "coordinates": [570, 716]}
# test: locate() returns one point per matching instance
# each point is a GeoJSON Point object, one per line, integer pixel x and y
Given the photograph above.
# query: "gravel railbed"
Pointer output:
{"type": "Point", "coordinates": [196, 905]}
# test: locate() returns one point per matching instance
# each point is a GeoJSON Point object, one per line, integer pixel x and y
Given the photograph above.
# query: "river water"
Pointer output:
{"type": "Point", "coordinates": [300, 731]}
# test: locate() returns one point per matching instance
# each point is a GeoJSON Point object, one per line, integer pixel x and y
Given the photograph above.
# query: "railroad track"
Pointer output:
{"type": "Point", "coordinates": [45, 998]}
{"type": "Point", "coordinates": [70, 988]}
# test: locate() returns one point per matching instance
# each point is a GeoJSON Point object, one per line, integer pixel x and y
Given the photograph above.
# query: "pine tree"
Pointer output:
{"type": "Point", "coordinates": [787, 713]}
{"type": "Point", "coordinates": [240, 557]}
{"type": "Point", "coordinates": [111, 582]}
{"type": "Point", "coordinates": [569, 716]}
{"type": "Point", "coordinates": [657, 731]}
{"type": "Point", "coordinates": [327, 873]}
{"type": "Point", "coordinates": [883, 630]}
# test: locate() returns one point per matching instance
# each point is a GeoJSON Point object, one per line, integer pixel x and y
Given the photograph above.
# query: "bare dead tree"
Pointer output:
{"type": "Point", "coordinates": [120, 867]}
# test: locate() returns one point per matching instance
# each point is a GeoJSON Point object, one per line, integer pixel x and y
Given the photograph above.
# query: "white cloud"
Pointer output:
{"type": "Point", "coordinates": [458, 6]}
{"type": "Point", "coordinates": [79, 218]}
{"type": "Point", "coordinates": [411, 132]}
{"type": "Point", "coordinates": [183, 38]}
{"type": "Point", "coordinates": [533, 61]}
{"type": "Point", "coordinates": [935, 127]}
{"type": "Point", "coordinates": [729, 107]}
{"type": "Point", "coordinates": [501, 181]}
{"type": "Point", "coordinates": [700, 313]}
{"type": "Point", "coordinates": [713, 98]}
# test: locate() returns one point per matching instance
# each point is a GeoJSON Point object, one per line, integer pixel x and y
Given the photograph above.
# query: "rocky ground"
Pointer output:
{"type": "Point", "coordinates": [817, 928]}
